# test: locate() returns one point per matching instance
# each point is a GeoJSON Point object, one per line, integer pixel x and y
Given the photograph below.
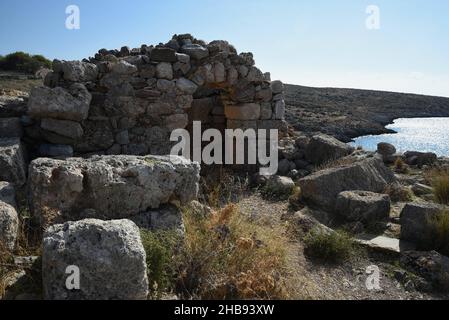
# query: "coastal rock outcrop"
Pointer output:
{"type": "Point", "coordinates": [323, 148]}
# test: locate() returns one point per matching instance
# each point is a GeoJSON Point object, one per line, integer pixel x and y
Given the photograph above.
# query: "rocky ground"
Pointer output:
{"type": "Point", "coordinates": [350, 113]}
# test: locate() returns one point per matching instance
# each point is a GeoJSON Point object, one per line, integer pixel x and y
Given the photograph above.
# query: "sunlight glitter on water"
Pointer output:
{"type": "Point", "coordinates": [413, 134]}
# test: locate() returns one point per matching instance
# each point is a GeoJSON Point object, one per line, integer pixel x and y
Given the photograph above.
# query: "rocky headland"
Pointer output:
{"type": "Point", "coordinates": [349, 113]}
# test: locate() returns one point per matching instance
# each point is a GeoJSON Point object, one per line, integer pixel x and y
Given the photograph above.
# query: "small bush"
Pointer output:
{"type": "Point", "coordinates": [440, 183]}
{"type": "Point", "coordinates": [334, 247]}
{"type": "Point", "coordinates": [160, 248]}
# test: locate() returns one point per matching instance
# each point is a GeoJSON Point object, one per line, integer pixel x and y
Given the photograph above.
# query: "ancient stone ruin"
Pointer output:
{"type": "Point", "coordinates": [129, 101]}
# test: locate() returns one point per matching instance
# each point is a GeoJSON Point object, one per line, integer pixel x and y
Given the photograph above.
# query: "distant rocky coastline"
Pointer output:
{"type": "Point", "coordinates": [350, 113]}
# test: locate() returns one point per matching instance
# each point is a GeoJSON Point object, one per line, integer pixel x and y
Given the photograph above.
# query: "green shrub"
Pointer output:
{"type": "Point", "coordinates": [331, 247]}
{"type": "Point", "coordinates": [23, 62]}
{"type": "Point", "coordinates": [160, 248]}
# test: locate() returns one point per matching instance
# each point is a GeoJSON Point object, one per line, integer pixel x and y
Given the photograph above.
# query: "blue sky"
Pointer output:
{"type": "Point", "coordinates": [313, 42]}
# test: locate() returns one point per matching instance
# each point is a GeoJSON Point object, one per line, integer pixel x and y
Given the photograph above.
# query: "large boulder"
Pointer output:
{"type": "Point", "coordinates": [364, 206]}
{"type": "Point", "coordinates": [109, 187]}
{"type": "Point", "coordinates": [323, 187]}
{"type": "Point", "coordinates": [108, 254]}
{"type": "Point", "coordinates": [431, 265]}
{"type": "Point", "coordinates": [416, 218]}
{"type": "Point", "coordinates": [387, 151]}
{"type": "Point", "coordinates": [323, 148]}
{"type": "Point", "coordinates": [9, 219]}
{"type": "Point", "coordinates": [420, 158]}
{"type": "Point", "coordinates": [59, 103]}
{"type": "Point", "coordinates": [12, 161]}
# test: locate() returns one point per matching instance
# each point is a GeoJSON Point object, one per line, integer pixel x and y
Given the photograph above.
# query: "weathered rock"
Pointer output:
{"type": "Point", "coordinates": [432, 266]}
{"type": "Point", "coordinates": [386, 149]}
{"type": "Point", "coordinates": [280, 185]}
{"type": "Point", "coordinates": [167, 217]}
{"type": "Point", "coordinates": [323, 187]}
{"type": "Point", "coordinates": [12, 161]}
{"type": "Point", "coordinates": [9, 219]}
{"type": "Point", "coordinates": [323, 148]}
{"type": "Point", "coordinates": [248, 111]}
{"type": "Point", "coordinates": [279, 110]}
{"type": "Point", "coordinates": [416, 218]}
{"type": "Point", "coordinates": [306, 223]}
{"type": "Point", "coordinates": [177, 121]}
{"type": "Point", "coordinates": [186, 86]}
{"type": "Point", "coordinates": [10, 128]}
{"type": "Point", "coordinates": [109, 255]}
{"type": "Point", "coordinates": [164, 70]}
{"type": "Point", "coordinates": [384, 244]}
{"type": "Point", "coordinates": [7, 193]}
{"type": "Point", "coordinates": [195, 51]}
{"type": "Point", "coordinates": [55, 150]}
{"type": "Point", "coordinates": [77, 71]}
{"type": "Point", "coordinates": [59, 103]}
{"type": "Point", "coordinates": [420, 189]}
{"type": "Point", "coordinates": [367, 207]}
{"type": "Point", "coordinates": [114, 186]}
{"type": "Point", "coordinates": [163, 55]}
{"type": "Point", "coordinates": [420, 158]}
{"type": "Point", "coordinates": [66, 128]}
{"type": "Point", "coordinates": [124, 68]}
{"type": "Point", "coordinates": [277, 87]}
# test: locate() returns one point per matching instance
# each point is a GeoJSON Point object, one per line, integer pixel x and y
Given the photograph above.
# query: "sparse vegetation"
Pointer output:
{"type": "Point", "coordinates": [160, 248]}
{"type": "Point", "coordinates": [23, 62]}
{"type": "Point", "coordinates": [334, 247]}
{"type": "Point", "coordinates": [400, 166]}
{"type": "Point", "coordinates": [440, 233]}
{"type": "Point", "coordinates": [399, 193]}
{"type": "Point", "coordinates": [227, 256]}
{"type": "Point", "coordinates": [440, 183]}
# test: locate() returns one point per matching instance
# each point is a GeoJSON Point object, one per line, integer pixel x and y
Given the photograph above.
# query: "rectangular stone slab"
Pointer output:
{"type": "Point", "coordinates": [108, 187]}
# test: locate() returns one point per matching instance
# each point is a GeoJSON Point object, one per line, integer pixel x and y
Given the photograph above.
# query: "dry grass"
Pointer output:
{"type": "Point", "coordinates": [440, 184]}
{"type": "Point", "coordinates": [28, 244]}
{"type": "Point", "coordinates": [227, 256]}
{"type": "Point", "coordinates": [222, 186]}
{"type": "Point", "coordinates": [440, 233]}
{"type": "Point", "coordinates": [400, 166]}
{"type": "Point", "coordinates": [399, 193]}
{"type": "Point", "coordinates": [21, 85]}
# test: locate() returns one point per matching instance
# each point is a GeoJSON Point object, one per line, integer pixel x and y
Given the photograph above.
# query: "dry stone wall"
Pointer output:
{"type": "Point", "coordinates": [128, 101]}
